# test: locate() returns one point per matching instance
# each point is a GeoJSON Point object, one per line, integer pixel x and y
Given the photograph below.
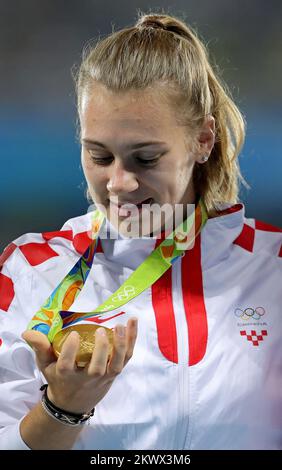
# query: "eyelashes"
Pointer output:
{"type": "Point", "coordinates": [149, 162]}
{"type": "Point", "coordinates": [101, 161]}
{"type": "Point", "coordinates": [105, 161]}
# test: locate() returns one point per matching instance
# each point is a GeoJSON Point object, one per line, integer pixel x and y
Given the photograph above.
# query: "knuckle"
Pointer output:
{"type": "Point", "coordinates": [97, 372]}
{"type": "Point", "coordinates": [63, 367]}
{"type": "Point", "coordinates": [102, 343]}
{"type": "Point", "coordinates": [120, 343]}
{"type": "Point", "coordinates": [115, 370]}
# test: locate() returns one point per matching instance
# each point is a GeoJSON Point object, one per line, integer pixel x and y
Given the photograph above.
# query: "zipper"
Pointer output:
{"type": "Point", "coordinates": [182, 426]}
{"type": "Point", "coordinates": [180, 317]}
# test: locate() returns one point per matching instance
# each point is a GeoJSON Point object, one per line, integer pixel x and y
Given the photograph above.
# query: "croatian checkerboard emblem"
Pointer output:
{"type": "Point", "coordinates": [252, 324]}
{"type": "Point", "coordinates": [254, 337]}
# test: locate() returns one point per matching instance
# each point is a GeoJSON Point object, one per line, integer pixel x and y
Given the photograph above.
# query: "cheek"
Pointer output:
{"type": "Point", "coordinates": [89, 169]}
{"type": "Point", "coordinates": [185, 167]}
{"type": "Point", "coordinates": [180, 178]}
{"type": "Point", "coordinates": [96, 177]}
{"type": "Point", "coordinates": [184, 177]}
{"type": "Point", "coordinates": [88, 173]}
{"type": "Point", "coordinates": [86, 162]}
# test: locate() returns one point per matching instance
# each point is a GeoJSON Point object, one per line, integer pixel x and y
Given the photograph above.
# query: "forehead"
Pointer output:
{"type": "Point", "coordinates": [135, 109]}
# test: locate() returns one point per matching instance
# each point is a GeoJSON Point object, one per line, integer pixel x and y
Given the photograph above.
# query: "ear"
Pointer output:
{"type": "Point", "coordinates": [206, 138]}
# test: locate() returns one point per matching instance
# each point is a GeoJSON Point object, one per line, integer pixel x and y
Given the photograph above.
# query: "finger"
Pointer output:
{"type": "Point", "coordinates": [41, 346]}
{"type": "Point", "coordinates": [116, 361]}
{"type": "Point", "coordinates": [66, 362]}
{"type": "Point", "coordinates": [98, 363]}
{"type": "Point", "coordinates": [131, 335]}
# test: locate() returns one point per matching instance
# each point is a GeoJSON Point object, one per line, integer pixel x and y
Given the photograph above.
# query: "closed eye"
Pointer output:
{"type": "Point", "coordinates": [104, 161]}
{"type": "Point", "coordinates": [100, 160]}
{"type": "Point", "coordinates": [149, 161]}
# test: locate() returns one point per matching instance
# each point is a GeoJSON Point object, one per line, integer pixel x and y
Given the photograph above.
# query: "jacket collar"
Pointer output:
{"type": "Point", "coordinates": [217, 237]}
{"type": "Point", "coordinates": [220, 232]}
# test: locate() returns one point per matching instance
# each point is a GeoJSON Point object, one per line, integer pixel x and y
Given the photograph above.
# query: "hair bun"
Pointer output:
{"type": "Point", "coordinates": [164, 22]}
{"type": "Point", "coordinates": [151, 21]}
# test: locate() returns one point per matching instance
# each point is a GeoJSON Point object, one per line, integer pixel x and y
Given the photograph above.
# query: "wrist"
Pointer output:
{"type": "Point", "coordinates": [64, 416]}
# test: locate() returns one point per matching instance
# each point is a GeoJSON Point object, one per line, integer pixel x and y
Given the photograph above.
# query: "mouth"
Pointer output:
{"type": "Point", "coordinates": [126, 208]}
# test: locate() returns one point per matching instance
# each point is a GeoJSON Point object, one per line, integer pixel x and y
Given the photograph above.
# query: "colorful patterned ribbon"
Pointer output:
{"type": "Point", "coordinates": [55, 315]}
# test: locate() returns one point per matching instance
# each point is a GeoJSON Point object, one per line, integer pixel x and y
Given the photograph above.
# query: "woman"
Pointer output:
{"type": "Point", "coordinates": [157, 127]}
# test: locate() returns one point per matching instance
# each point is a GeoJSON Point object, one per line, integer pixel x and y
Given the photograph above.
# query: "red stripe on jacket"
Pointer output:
{"type": "Point", "coordinates": [164, 314]}
{"type": "Point", "coordinates": [266, 227]}
{"type": "Point", "coordinates": [193, 299]}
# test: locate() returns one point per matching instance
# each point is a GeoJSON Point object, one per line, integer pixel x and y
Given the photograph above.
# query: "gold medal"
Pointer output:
{"type": "Point", "coordinates": [86, 333]}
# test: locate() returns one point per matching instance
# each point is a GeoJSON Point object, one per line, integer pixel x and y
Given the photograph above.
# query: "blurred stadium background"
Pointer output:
{"type": "Point", "coordinates": [42, 183]}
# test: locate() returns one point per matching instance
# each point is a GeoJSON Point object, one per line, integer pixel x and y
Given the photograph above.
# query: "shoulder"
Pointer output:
{"type": "Point", "coordinates": [250, 234]}
{"type": "Point", "coordinates": [36, 248]}
{"type": "Point", "coordinates": [41, 252]}
{"type": "Point", "coordinates": [261, 237]}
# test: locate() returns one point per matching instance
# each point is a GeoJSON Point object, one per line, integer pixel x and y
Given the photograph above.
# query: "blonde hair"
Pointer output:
{"type": "Point", "coordinates": [162, 50]}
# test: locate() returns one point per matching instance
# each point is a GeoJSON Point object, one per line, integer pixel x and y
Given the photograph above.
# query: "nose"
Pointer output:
{"type": "Point", "coordinates": [121, 180]}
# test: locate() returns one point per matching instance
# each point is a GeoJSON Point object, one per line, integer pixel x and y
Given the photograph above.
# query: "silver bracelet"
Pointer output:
{"type": "Point", "coordinates": [65, 417]}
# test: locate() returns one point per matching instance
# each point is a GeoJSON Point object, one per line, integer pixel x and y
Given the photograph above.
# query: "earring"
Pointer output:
{"type": "Point", "coordinates": [204, 159]}
{"type": "Point", "coordinates": [109, 186]}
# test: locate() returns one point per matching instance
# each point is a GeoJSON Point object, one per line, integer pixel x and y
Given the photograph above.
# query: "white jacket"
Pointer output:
{"type": "Point", "coordinates": [206, 372]}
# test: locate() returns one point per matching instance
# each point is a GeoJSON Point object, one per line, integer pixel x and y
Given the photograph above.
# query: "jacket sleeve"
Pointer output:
{"type": "Point", "coordinates": [20, 379]}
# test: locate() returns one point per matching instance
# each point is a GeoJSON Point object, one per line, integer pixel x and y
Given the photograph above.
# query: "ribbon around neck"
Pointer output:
{"type": "Point", "coordinates": [54, 315]}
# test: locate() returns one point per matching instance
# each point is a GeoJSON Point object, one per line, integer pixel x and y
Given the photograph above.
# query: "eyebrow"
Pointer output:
{"type": "Point", "coordinates": [130, 146]}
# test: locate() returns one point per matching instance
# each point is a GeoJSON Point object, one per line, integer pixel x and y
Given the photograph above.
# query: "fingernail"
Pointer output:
{"type": "Point", "coordinates": [120, 330]}
{"type": "Point", "coordinates": [101, 331]}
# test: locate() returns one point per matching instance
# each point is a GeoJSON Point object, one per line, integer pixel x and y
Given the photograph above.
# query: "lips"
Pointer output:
{"type": "Point", "coordinates": [126, 209]}
{"type": "Point", "coordinates": [129, 204]}
{"type": "Point", "coordinates": [146, 201]}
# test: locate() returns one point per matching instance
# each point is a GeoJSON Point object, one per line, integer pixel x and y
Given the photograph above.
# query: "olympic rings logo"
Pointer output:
{"type": "Point", "coordinates": [127, 293]}
{"type": "Point", "coordinates": [250, 313]}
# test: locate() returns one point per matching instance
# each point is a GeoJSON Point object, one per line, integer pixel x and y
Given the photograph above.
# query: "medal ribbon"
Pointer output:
{"type": "Point", "coordinates": [55, 315]}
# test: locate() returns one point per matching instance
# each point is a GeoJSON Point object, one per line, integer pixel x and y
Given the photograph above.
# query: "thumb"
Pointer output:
{"type": "Point", "coordinates": [41, 346]}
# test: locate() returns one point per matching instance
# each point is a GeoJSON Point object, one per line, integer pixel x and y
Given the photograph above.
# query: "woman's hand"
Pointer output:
{"type": "Point", "coordinates": [75, 389]}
